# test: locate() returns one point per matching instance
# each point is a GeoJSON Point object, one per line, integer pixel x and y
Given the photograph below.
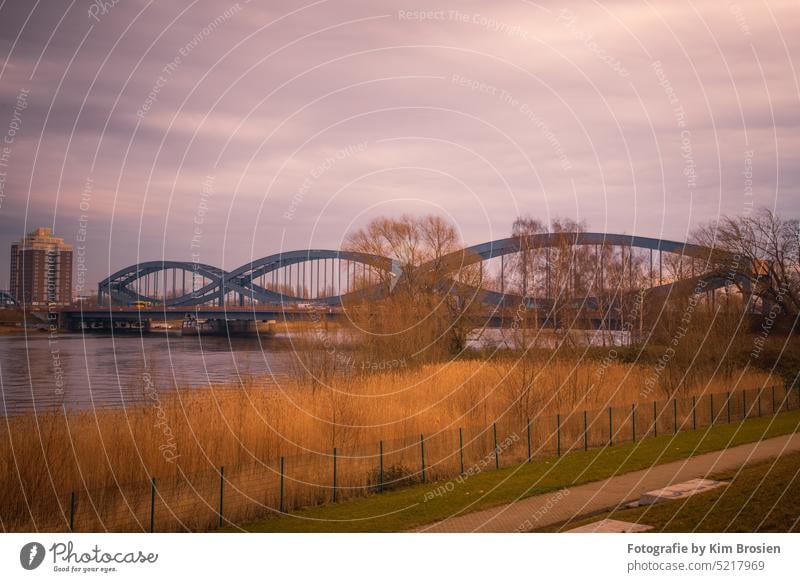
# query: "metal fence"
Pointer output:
{"type": "Point", "coordinates": [213, 499]}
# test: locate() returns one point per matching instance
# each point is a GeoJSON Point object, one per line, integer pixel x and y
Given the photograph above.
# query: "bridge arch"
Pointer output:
{"type": "Point", "coordinates": [710, 277]}
{"type": "Point", "coordinates": [288, 284]}
{"type": "Point", "coordinates": [282, 278]}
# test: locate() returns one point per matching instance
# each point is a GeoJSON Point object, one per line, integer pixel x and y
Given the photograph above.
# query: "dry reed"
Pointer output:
{"type": "Point", "coordinates": [182, 438]}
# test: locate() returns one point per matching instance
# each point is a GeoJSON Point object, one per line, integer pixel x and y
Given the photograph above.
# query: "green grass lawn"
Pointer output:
{"type": "Point", "coordinates": [407, 508]}
{"type": "Point", "coordinates": [764, 497]}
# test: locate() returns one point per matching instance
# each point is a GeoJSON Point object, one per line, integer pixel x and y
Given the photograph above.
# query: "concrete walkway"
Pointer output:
{"type": "Point", "coordinates": [557, 506]}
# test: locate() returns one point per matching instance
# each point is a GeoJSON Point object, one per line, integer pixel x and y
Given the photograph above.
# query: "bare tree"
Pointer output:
{"type": "Point", "coordinates": [524, 265]}
{"type": "Point", "coordinates": [429, 309]}
{"type": "Point", "coordinates": [764, 246]}
{"type": "Point", "coordinates": [564, 277]}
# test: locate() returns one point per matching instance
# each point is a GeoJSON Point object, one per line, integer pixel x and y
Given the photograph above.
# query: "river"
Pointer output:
{"type": "Point", "coordinates": [79, 371]}
{"type": "Point", "coordinates": [84, 371]}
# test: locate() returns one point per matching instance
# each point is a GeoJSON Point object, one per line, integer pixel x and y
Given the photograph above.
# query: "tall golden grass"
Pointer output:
{"type": "Point", "coordinates": [183, 438]}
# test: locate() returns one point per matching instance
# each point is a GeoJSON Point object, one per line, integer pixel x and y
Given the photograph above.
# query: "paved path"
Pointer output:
{"type": "Point", "coordinates": [542, 510]}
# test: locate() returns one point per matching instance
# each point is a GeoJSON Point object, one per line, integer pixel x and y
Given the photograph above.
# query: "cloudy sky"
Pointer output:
{"type": "Point", "coordinates": [222, 132]}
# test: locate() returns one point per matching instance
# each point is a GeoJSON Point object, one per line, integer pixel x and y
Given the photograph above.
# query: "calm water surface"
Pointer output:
{"type": "Point", "coordinates": [85, 371]}
{"type": "Point", "coordinates": [79, 371]}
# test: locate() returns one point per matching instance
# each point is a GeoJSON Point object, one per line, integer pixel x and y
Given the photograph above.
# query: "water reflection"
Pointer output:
{"type": "Point", "coordinates": [85, 371]}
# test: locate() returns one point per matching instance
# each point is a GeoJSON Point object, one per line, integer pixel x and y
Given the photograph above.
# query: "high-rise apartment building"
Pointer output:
{"type": "Point", "coordinates": [41, 269]}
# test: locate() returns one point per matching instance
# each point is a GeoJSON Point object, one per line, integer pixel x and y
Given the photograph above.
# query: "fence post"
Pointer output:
{"type": "Point", "coordinates": [381, 486]}
{"type": "Point", "coordinates": [711, 422]}
{"type": "Point", "coordinates": [728, 406]}
{"type": "Point", "coordinates": [282, 473]}
{"type": "Point", "coordinates": [633, 421]}
{"type": "Point", "coordinates": [496, 450]}
{"type": "Point", "coordinates": [72, 512]}
{"type": "Point", "coordinates": [529, 440]}
{"type": "Point", "coordinates": [694, 412]}
{"type": "Point", "coordinates": [461, 448]}
{"type": "Point", "coordinates": [221, 493]}
{"type": "Point", "coordinates": [558, 435]}
{"type": "Point", "coordinates": [334, 474]}
{"type": "Point", "coordinates": [655, 420]}
{"type": "Point", "coordinates": [152, 504]}
{"type": "Point", "coordinates": [610, 429]}
{"type": "Point", "coordinates": [675, 415]}
{"type": "Point", "coordinates": [585, 432]}
{"type": "Point", "coordinates": [422, 454]}
{"type": "Point", "coordinates": [744, 404]}
{"type": "Point", "coordinates": [773, 399]}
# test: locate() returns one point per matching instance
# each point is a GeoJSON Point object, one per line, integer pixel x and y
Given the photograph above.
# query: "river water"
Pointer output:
{"type": "Point", "coordinates": [80, 371]}
{"type": "Point", "coordinates": [85, 371]}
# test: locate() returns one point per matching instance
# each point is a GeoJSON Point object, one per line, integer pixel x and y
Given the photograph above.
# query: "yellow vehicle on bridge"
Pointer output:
{"type": "Point", "coordinates": [142, 304]}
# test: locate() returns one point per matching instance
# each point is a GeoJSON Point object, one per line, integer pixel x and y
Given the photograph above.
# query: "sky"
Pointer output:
{"type": "Point", "coordinates": [223, 132]}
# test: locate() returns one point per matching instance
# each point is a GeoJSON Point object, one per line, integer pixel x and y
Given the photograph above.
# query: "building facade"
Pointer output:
{"type": "Point", "coordinates": [41, 269]}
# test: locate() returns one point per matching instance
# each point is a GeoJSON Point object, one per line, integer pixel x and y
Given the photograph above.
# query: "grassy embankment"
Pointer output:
{"type": "Point", "coordinates": [408, 508]}
{"type": "Point", "coordinates": [764, 497]}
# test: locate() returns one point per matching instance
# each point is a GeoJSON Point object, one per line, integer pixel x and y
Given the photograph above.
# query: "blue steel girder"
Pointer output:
{"type": "Point", "coordinates": [482, 252]}
{"type": "Point", "coordinates": [244, 277]}
{"type": "Point", "coordinates": [242, 280]}
{"type": "Point", "coordinates": [117, 284]}
{"type": "Point", "coordinates": [506, 246]}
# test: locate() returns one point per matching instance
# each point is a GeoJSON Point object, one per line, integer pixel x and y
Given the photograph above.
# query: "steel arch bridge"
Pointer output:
{"type": "Point", "coordinates": [332, 277]}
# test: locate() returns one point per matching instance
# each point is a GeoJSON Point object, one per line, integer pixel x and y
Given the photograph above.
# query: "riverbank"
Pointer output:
{"type": "Point", "coordinates": [420, 423]}
{"type": "Point", "coordinates": [414, 507]}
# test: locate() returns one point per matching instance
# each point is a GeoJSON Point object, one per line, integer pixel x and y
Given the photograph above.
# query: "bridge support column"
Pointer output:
{"type": "Point", "coordinates": [547, 274]}
{"type": "Point", "coordinates": [503, 274]}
